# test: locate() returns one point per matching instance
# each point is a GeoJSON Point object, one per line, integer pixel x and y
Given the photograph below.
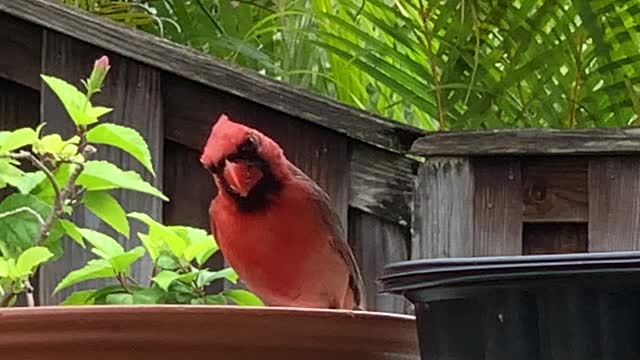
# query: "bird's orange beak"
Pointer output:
{"type": "Point", "coordinates": [241, 176]}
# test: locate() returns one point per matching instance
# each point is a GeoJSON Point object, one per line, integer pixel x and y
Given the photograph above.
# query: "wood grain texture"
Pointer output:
{"type": "Point", "coordinates": [614, 209]}
{"type": "Point", "coordinates": [192, 109]}
{"type": "Point", "coordinates": [382, 183]}
{"type": "Point", "coordinates": [202, 68]}
{"type": "Point", "coordinates": [19, 106]}
{"type": "Point", "coordinates": [555, 189]}
{"type": "Point", "coordinates": [529, 141]}
{"type": "Point", "coordinates": [554, 238]}
{"type": "Point", "coordinates": [497, 207]}
{"type": "Point", "coordinates": [133, 90]}
{"type": "Point", "coordinates": [376, 243]}
{"type": "Point", "coordinates": [21, 44]}
{"type": "Point", "coordinates": [443, 214]}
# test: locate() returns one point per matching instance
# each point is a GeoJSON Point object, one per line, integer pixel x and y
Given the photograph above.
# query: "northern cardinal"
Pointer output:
{"type": "Point", "coordinates": [275, 226]}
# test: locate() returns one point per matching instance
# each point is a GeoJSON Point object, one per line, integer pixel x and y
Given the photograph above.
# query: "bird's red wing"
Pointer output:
{"type": "Point", "coordinates": [333, 223]}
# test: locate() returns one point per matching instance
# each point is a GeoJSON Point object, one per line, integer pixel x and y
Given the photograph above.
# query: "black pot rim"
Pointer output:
{"type": "Point", "coordinates": [502, 271]}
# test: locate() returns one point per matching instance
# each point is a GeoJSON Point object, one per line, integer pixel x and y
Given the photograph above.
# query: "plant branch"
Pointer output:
{"type": "Point", "coordinates": [123, 282]}
{"type": "Point", "coordinates": [86, 150]}
{"type": "Point", "coordinates": [7, 298]}
{"type": "Point", "coordinates": [25, 155]}
{"type": "Point", "coordinates": [29, 294]}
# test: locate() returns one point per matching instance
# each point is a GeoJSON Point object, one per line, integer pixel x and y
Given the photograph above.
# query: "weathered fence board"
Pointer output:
{"type": "Point", "coordinates": [555, 190]}
{"type": "Point", "coordinates": [19, 106]}
{"type": "Point", "coordinates": [554, 238]}
{"type": "Point", "coordinates": [497, 207]}
{"type": "Point", "coordinates": [382, 183]}
{"type": "Point", "coordinates": [614, 206]}
{"type": "Point", "coordinates": [21, 44]}
{"type": "Point", "coordinates": [134, 91]}
{"type": "Point", "coordinates": [529, 142]}
{"type": "Point", "coordinates": [443, 209]}
{"type": "Point", "coordinates": [377, 242]}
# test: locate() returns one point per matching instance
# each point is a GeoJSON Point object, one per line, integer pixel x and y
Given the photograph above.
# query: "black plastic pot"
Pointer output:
{"type": "Point", "coordinates": [560, 307]}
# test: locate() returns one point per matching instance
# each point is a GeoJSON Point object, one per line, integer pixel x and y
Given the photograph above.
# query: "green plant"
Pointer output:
{"type": "Point", "coordinates": [38, 213]}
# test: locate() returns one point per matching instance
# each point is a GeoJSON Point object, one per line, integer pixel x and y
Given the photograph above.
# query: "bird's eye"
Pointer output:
{"type": "Point", "coordinates": [250, 145]}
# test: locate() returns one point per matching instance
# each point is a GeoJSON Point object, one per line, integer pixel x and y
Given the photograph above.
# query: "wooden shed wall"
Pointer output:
{"type": "Point", "coordinates": [371, 187]}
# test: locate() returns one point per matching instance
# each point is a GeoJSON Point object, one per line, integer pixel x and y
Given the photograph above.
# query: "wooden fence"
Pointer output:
{"type": "Point", "coordinates": [513, 192]}
{"type": "Point", "coordinates": [477, 193]}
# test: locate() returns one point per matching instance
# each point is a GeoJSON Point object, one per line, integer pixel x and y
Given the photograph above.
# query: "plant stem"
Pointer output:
{"type": "Point", "coordinates": [30, 300]}
{"type": "Point", "coordinates": [24, 155]}
{"type": "Point", "coordinates": [86, 150]}
{"type": "Point", "coordinates": [7, 298]}
{"type": "Point", "coordinates": [123, 282]}
{"type": "Point", "coordinates": [425, 14]}
{"type": "Point", "coordinates": [575, 91]}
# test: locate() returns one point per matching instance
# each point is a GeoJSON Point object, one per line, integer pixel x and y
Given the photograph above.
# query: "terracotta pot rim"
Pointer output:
{"type": "Point", "coordinates": [237, 332]}
{"type": "Point", "coordinates": [209, 309]}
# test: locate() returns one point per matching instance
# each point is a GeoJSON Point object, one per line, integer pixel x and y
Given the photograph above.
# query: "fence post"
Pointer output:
{"type": "Point", "coordinates": [443, 208]}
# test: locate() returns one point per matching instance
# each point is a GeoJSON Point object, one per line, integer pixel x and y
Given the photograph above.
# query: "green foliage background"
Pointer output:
{"type": "Point", "coordinates": [446, 64]}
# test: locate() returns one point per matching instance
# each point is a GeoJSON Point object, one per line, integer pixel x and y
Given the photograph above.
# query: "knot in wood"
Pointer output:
{"type": "Point", "coordinates": [538, 192]}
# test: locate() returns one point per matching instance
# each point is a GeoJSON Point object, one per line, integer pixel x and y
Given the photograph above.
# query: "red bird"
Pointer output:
{"type": "Point", "coordinates": [275, 226]}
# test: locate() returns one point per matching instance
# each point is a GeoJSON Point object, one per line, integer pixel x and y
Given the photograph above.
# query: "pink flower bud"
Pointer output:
{"type": "Point", "coordinates": [102, 63]}
{"type": "Point", "coordinates": [100, 69]}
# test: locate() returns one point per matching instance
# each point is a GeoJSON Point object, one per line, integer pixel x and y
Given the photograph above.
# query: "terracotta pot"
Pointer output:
{"type": "Point", "coordinates": [203, 332]}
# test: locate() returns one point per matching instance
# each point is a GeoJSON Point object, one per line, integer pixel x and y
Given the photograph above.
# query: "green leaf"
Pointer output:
{"type": "Point", "coordinates": [95, 269]}
{"type": "Point", "coordinates": [215, 299]}
{"type": "Point", "coordinates": [19, 230]}
{"type": "Point", "coordinates": [100, 297]}
{"type": "Point", "coordinates": [201, 250]}
{"type": "Point", "coordinates": [107, 208]}
{"type": "Point", "coordinates": [165, 278]}
{"type": "Point", "coordinates": [188, 278]}
{"type": "Point", "coordinates": [152, 247]}
{"type": "Point", "coordinates": [206, 277]}
{"type": "Point", "coordinates": [119, 299]}
{"type": "Point", "coordinates": [98, 111]}
{"type": "Point", "coordinates": [242, 297]}
{"type": "Point", "coordinates": [122, 263]}
{"type": "Point", "coordinates": [31, 258]}
{"type": "Point", "coordinates": [72, 99]}
{"type": "Point", "coordinates": [81, 297]}
{"type": "Point", "coordinates": [153, 295]}
{"type": "Point", "coordinates": [103, 243]}
{"type": "Point", "coordinates": [103, 175]}
{"type": "Point", "coordinates": [29, 180]}
{"type": "Point", "coordinates": [162, 234]}
{"type": "Point", "coordinates": [44, 190]}
{"type": "Point", "coordinates": [53, 144]}
{"type": "Point", "coordinates": [4, 268]}
{"type": "Point", "coordinates": [72, 230]}
{"type": "Point", "coordinates": [10, 174]}
{"type": "Point", "coordinates": [17, 139]}
{"type": "Point", "coordinates": [124, 138]}
{"type": "Point", "coordinates": [167, 262]}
